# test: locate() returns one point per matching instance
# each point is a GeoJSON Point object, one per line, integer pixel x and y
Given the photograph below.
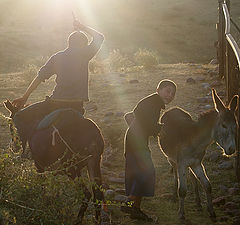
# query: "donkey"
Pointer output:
{"type": "Point", "coordinates": [184, 142]}
{"type": "Point", "coordinates": [71, 142]}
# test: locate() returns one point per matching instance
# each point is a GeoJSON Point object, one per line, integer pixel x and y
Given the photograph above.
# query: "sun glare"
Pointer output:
{"type": "Point", "coordinates": [87, 12]}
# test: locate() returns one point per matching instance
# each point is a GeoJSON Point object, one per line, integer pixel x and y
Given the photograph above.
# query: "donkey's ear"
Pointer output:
{"type": "Point", "coordinates": [219, 106]}
{"type": "Point", "coordinates": [8, 105]}
{"type": "Point", "coordinates": [233, 105]}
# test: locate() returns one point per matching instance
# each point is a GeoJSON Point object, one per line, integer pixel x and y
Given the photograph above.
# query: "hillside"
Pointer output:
{"type": "Point", "coordinates": [119, 90]}
{"type": "Point", "coordinates": [179, 31]}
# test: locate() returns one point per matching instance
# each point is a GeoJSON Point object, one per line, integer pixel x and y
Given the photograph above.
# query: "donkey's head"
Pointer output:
{"type": "Point", "coordinates": [225, 130]}
{"type": "Point", "coordinates": [12, 109]}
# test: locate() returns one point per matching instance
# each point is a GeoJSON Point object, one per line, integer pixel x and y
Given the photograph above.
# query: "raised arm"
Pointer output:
{"type": "Point", "coordinates": [80, 27]}
{"type": "Point", "coordinates": [97, 38]}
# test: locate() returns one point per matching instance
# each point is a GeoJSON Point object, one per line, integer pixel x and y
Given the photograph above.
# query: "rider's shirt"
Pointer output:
{"type": "Point", "coordinates": [71, 69]}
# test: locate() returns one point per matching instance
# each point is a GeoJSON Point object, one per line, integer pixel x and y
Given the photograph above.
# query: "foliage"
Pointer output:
{"type": "Point", "coordinates": [30, 71]}
{"type": "Point", "coordinates": [116, 61]}
{"type": "Point", "coordinates": [96, 66]}
{"type": "Point", "coordinates": [28, 197]}
{"type": "Point", "coordinates": [119, 62]}
{"type": "Point", "coordinates": [146, 58]}
{"type": "Point", "coordinates": [31, 198]}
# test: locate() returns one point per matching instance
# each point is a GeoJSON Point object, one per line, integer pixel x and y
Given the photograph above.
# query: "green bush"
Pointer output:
{"type": "Point", "coordinates": [27, 197]}
{"type": "Point", "coordinates": [116, 61]}
{"type": "Point", "coordinates": [146, 58]}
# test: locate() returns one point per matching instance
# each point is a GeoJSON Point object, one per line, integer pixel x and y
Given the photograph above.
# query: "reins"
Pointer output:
{"type": "Point", "coordinates": [56, 131]}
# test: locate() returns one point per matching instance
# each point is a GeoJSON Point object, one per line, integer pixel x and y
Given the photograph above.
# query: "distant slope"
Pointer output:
{"type": "Point", "coordinates": [179, 30]}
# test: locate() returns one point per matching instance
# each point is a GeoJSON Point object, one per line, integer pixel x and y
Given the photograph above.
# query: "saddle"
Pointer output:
{"type": "Point", "coordinates": [59, 117]}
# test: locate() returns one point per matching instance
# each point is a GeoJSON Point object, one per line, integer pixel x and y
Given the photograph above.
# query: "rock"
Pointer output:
{"type": "Point", "coordinates": [109, 114]}
{"type": "Point", "coordinates": [104, 171]}
{"type": "Point", "coordinates": [167, 196]}
{"type": "Point", "coordinates": [236, 185]}
{"type": "Point", "coordinates": [231, 206]}
{"type": "Point", "coordinates": [223, 219]}
{"type": "Point", "coordinates": [133, 81]}
{"type": "Point", "coordinates": [116, 180]}
{"type": "Point", "coordinates": [120, 114]}
{"type": "Point", "coordinates": [129, 117]}
{"type": "Point", "coordinates": [206, 99]}
{"type": "Point", "coordinates": [236, 199]}
{"type": "Point", "coordinates": [233, 212]}
{"type": "Point", "coordinates": [216, 83]}
{"type": "Point", "coordinates": [122, 75]}
{"type": "Point", "coordinates": [106, 163]}
{"type": "Point", "coordinates": [219, 201]}
{"type": "Point", "coordinates": [215, 173]}
{"type": "Point", "coordinates": [105, 217]}
{"type": "Point", "coordinates": [213, 73]}
{"type": "Point", "coordinates": [219, 148]}
{"type": "Point", "coordinates": [236, 220]}
{"type": "Point", "coordinates": [105, 186]}
{"type": "Point", "coordinates": [190, 81]}
{"type": "Point", "coordinates": [120, 191]}
{"type": "Point", "coordinates": [223, 188]}
{"type": "Point", "coordinates": [221, 94]}
{"type": "Point", "coordinates": [106, 119]}
{"type": "Point", "coordinates": [199, 79]}
{"type": "Point", "coordinates": [122, 174]}
{"type": "Point", "coordinates": [108, 150]}
{"type": "Point", "coordinates": [120, 198]}
{"type": "Point", "coordinates": [227, 165]}
{"type": "Point", "coordinates": [205, 85]}
{"type": "Point", "coordinates": [233, 191]}
{"type": "Point", "coordinates": [90, 107]}
{"type": "Point", "coordinates": [213, 62]}
{"type": "Point", "coordinates": [206, 107]}
{"type": "Point", "coordinates": [109, 194]}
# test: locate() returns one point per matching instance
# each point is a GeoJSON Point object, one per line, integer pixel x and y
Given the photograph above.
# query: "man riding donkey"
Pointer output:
{"type": "Point", "coordinates": [71, 90]}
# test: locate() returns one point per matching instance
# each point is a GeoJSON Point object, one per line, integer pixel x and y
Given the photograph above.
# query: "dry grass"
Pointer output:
{"type": "Point", "coordinates": [113, 93]}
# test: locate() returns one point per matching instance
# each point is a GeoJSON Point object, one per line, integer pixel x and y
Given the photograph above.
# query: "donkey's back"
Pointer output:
{"type": "Point", "coordinates": [178, 129]}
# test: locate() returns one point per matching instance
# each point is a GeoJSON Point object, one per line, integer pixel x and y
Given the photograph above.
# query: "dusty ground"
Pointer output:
{"type": "Point", "coordinates": [114, 94]}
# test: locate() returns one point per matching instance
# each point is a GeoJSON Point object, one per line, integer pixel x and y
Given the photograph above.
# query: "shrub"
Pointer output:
{"type": "Point", "coordinates": [28, 197]}
{"type": "Point", "coordinates": [147, 59]}
{"type": "Point", "coordinates": [30, 71]}
{"type": "Point", "coordinates": [96, 66]}
{"type": "Point", "coordinates": [116, 61]}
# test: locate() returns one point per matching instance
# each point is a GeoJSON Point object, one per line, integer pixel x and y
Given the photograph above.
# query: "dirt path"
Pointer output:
{"type": "Point", "coordinates": [114, 94]}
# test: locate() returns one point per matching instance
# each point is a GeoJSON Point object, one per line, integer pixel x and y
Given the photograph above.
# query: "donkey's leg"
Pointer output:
{"type": "Point", "coordinates": [95, 177]}
{"type": "Point", "coordinates": [175, 188]}
{"type": "Point", "coordinates": [84, 205]}
{"type": "Point", "coordinates": [199, 170]}
{"type": "Point", "coordinates": [182, 188]}
{"type": "Point", "coordinates": [196, 190]}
